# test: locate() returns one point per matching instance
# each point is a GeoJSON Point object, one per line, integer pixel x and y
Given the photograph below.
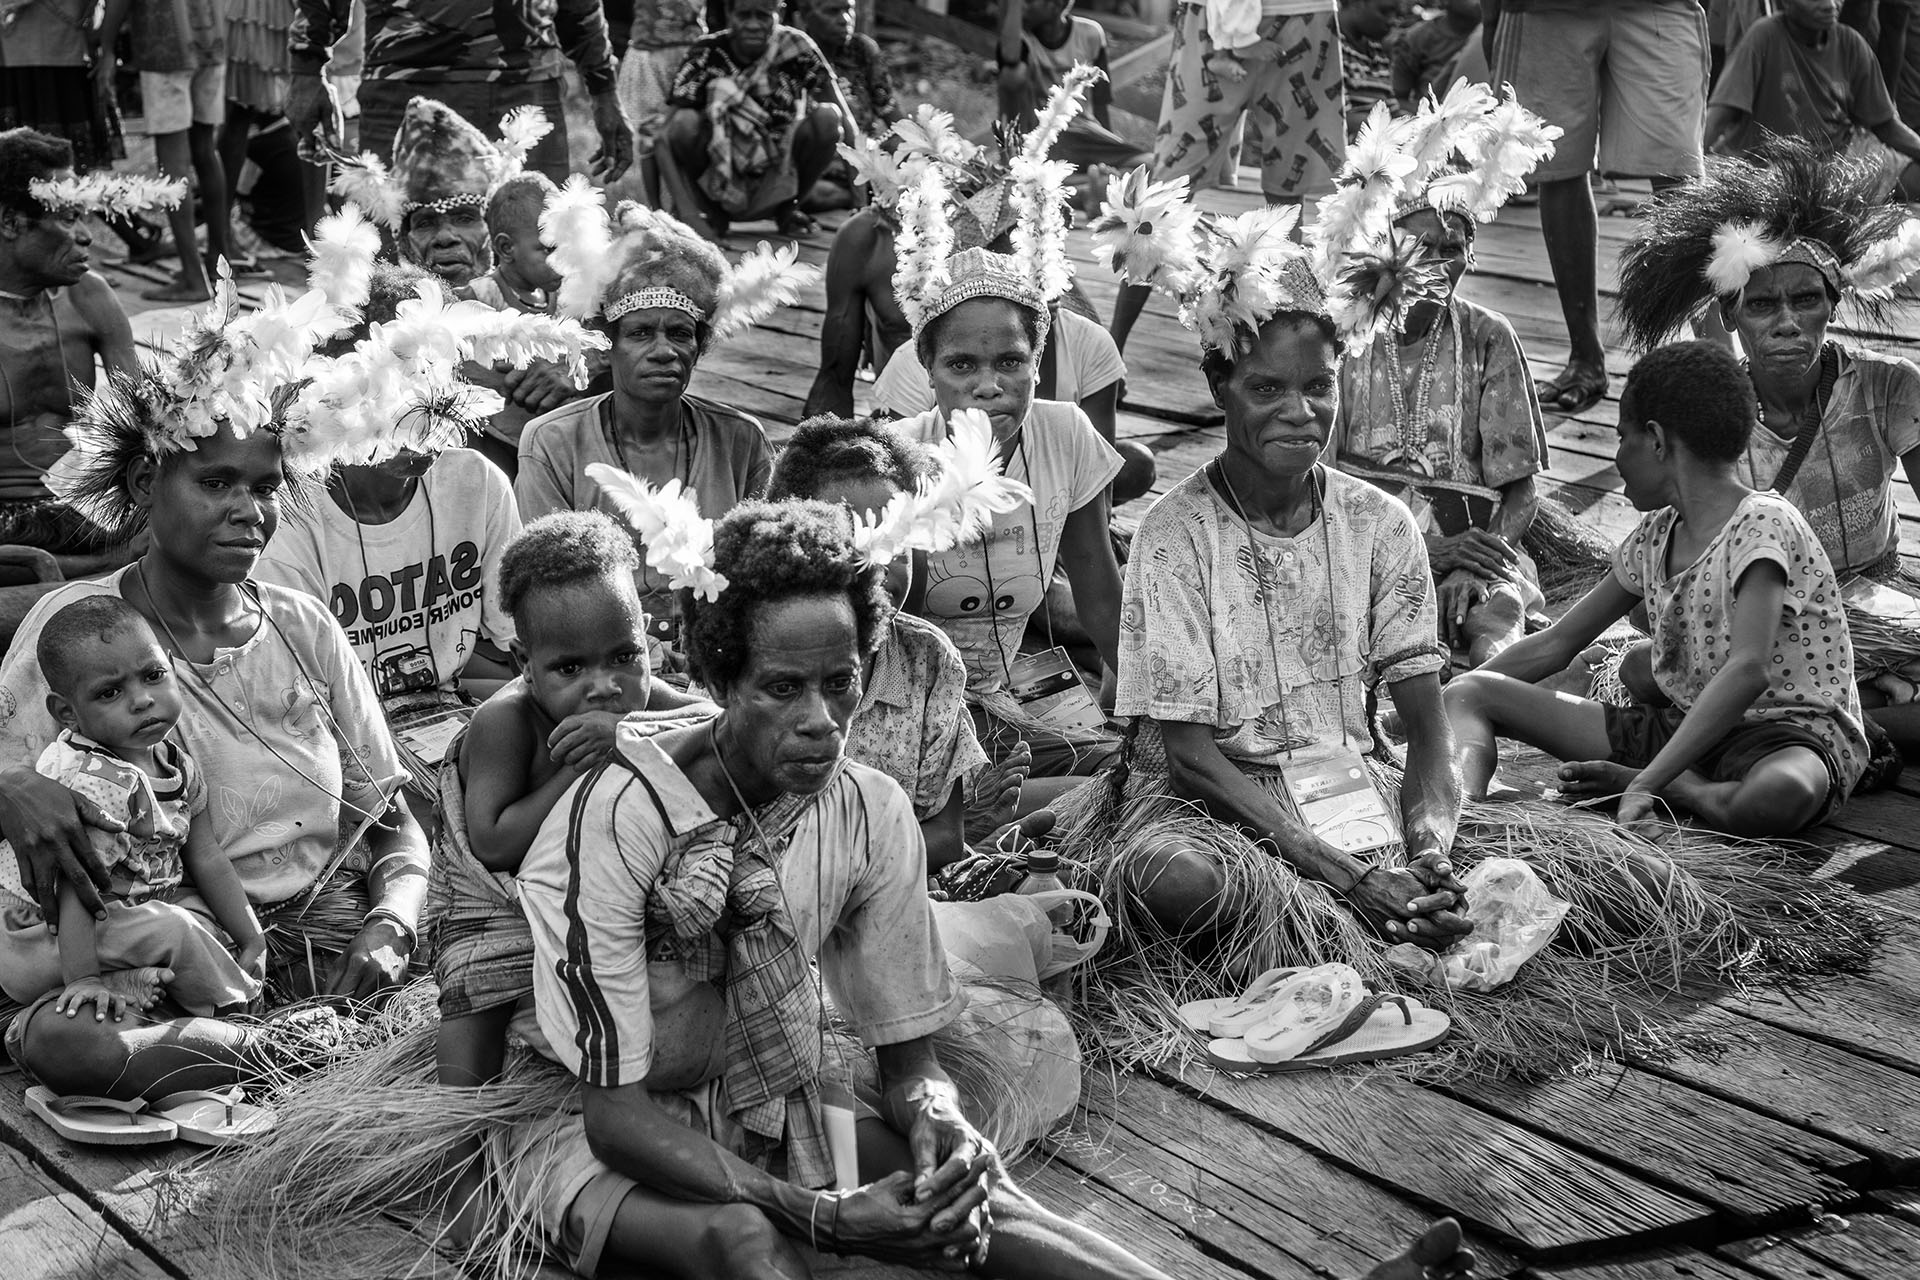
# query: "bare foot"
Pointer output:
{"type": "Point", "coordinates": [1435, 1254]}
{"type": "Point", "coordinates": [996, 793]}
{"type": "Point", "coordinates": [140, 988]}
{"type": "Point", "coordinates": [1595, 779]}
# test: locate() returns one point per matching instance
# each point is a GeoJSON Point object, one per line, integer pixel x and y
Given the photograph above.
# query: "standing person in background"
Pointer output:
{"type": "Point", "coordinates": [257, 79]}
{"type": "Point", "coordinates": [481, 59]}
{"type": "Point", "coordinates": [1625, 79]}
{"type": "Point", "coordinates": [1885, 25]}
{"type": "Point", "coordinates": [44, 56]}
{"type": "Point", "coordinates": [663, 31]}
{"type": "Point", "coordinates": [181, 52]}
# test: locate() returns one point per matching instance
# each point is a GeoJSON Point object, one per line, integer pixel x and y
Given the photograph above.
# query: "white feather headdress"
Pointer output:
{"type": "Point", "coordinates": [952, 507]}
{"type": "Point", "coordinates": [108, 194]}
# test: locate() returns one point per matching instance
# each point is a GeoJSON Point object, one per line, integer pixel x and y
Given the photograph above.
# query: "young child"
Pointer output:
{"type": "Point", "coordinates": [1802, 74]}
{"type": "Point", "coordinates": [112, 686]}
{"type": "Point", "coordinates": [1750, 643]}
{"type": "Point", "coordinates": [521, 280]}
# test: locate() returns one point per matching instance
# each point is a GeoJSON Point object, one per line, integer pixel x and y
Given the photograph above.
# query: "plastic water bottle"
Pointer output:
{"type": "Point", "coordinates": [1043, 873]}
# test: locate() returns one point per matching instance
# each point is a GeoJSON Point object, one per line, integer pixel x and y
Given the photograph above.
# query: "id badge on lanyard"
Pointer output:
{"type": "Point", "coordinates": [1335, 797]}
{"type": "Point", "coordinates": [1048, 687]}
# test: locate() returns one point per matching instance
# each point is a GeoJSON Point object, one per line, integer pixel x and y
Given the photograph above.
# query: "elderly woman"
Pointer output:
{"type": "Point", "coordinates": [281, 718]}
{"type": "Point", "coordinates": [1836, 418]}
{"type": "Point", "coordinates": [700, 1147]}
{"type": "Point", "coordinates": [656, 292]}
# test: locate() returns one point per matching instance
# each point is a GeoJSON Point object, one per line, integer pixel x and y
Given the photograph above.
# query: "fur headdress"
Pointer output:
{"type": "Point", "coordinates": [1232, 274]}
{"type": "Point", "coordinates": [1705, 239]}
{"type": "Point", "coordinates": [108, 194]}
{"type": "Point", "coordinates": [440, 161]}
{"type": "Point", "coordinates": [643, 258]}
{"type": "Point", "coordinates": [955, 504]}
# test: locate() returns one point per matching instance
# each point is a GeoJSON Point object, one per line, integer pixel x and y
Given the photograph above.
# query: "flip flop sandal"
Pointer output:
{"type": "Point", "coordinates": [1221, 1016]}
{"type": "Point", "coordinates": [211, 1118]}
{"type": "Point", "coordinates": [1586, 392]}
{"type": "Point", "coordinates": [1383, 1026]}
{"type": "Point", "coordinates": [1300, 1015]}
{"type": "Point", "coordinates": [100, 1122]}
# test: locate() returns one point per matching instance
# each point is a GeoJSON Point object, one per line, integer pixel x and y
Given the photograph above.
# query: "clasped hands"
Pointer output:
{"type": "Point", "coordinates": [1422, 902]}
{"type": "Point", "coordinates": [936, 1216]}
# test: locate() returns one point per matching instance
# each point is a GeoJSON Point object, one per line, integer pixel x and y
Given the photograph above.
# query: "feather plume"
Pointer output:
{"type": "Point", "coordinates": [1040, 233]}
{"type": "Point", "coordinates": [1375, 156]}
{"type": "Point", "coordinates": [954, 507]}
{"type": "Point", "coordinates": [1739, 250]}
{"type": "Point", "coordinates": [1064, 101]}
{"type": "Point", "coordinates": [575, 223]}
{"type": "Point", "coordinates": [340, 257]}
{"type": "Point", "coordinates": [364, 180]}
{"type": "Point", "coordinates": [1886, 263]}
{"type": "Point", "coordinates": [520, 132]}
{"type": "Point", "coordinates": [108, 194]}
{"type": "Point", "coordinates": [1509, 145]}
{"type": "Point", "coordinates": [930, 132]}
{"type": "Point", "coordinates": [884, 173]}
{"type": "Point", "coordinates": [1379, 286]}
{"type": "Point", "coordinates": [677, 539]}
{"type": "Point", "coordinates": [923, 245]}
{"type": "Point", "coordinates": [1444, 127]}
{"type": "Point", "coordinates": [1148, 232]}
{"type": "Point", "coordinates": [761, 281]}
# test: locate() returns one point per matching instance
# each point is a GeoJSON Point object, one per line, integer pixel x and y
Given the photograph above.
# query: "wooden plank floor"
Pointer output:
{"type": "Point", "coordinates": [1791, 1156]}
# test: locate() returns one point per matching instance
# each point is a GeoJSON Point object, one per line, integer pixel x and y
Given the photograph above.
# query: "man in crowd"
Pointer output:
{"type": "Point", "coordinates": [56, 318]}
{"type": "Point", "coordinates": [866, 86]}
{"type": "Point", "coordinates": [1625, 79]}
{"type": "Point", "coordinates": [863, 317]}
{"type": "Point", "coordinates": [756, 113]}
{"type": "Point", "coordinates": [480, 59]}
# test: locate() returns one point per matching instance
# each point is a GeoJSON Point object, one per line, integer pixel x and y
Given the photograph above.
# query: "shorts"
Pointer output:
{"type": "Point", "coordinates": [1293, 103]}
{"type": "Point", "coordinates": [176, 100]}
{"type": "Point", "coordinates": [1636, 734]}
{"type": "Point", "coordinates": [646, 77]}
{"type": "Point", "coordinates": [1625, 81]}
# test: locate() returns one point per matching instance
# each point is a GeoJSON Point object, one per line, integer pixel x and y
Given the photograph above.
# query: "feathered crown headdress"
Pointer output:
{"type": "Point", "coordinates": [108, 194]}
{"type": "Point", "coordinates": [645, 258]}
{"type": "Point", "coordinates": [1032, 201]}
{"type": "Point", "coordinates": [1232, 274]}
{"type": "Point", "coordinates": [1789, 202]}
{"type": "Point", "coordinates": [440, 161]}
{"type": "Point", "coordinates": [950, 507]}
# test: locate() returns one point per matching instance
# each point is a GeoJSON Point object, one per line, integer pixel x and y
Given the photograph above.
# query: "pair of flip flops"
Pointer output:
{"type": "Point", "coordinates": [205, 1117]}
{"type": "Point", "coordinates": [1302, 1019]}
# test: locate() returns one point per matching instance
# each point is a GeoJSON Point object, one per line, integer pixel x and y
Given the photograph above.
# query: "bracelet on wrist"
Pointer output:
{"type": "Point", "coordinates": [392, 917]}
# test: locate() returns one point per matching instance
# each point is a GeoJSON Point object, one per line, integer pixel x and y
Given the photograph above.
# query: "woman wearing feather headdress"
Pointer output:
{"type": "Point", "coordinates": [1442, 413]}
{"type": "Point", "coordinates": [1777, 245]}
{"type": "Point", "coordinates": [662, 295]}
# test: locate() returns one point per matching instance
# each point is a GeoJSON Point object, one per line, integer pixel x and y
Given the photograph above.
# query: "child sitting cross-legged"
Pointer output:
{"type": "Point", "coordinates": [581, 650]}
{"type": "Point", "coordinates": [112, 687]}
{"type": "Point", "coordinates": [1750, 643]}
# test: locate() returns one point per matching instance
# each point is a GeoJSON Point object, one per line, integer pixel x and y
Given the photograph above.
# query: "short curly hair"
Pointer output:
{"type": "Point", "coordinates": [559, 550]}
{"type": "Point", "coordinates": [1699, 393]}
{"type": "Point", "coordinates": [392, 284]}
{"type": "Point", "coordinates": [770, 552]}
{"type": "Point", "coordinates": [63, 641]}
{"type": "Point", "coordinates": [826, 448]}
{"type": "Point", "coordinates": [27, 155]}
{"type": "Point", "coordinates": [519, 200]}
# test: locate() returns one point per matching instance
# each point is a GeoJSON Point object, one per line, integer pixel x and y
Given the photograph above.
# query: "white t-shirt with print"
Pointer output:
{"type": "Point", "coordinates": [1085, 361]}
{"type": "Point", "coordinates": [981, 593]}
{"type": "Point", "coordinates": [415, 594]}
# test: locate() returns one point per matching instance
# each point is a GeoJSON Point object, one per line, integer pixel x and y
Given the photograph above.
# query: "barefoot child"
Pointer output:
{"type": "Point", "coordinates": [1750, 643]}
{"type": "Point", "coordinates": [581, 651]}
{"type": "Point", "coordinates": [111, 686]}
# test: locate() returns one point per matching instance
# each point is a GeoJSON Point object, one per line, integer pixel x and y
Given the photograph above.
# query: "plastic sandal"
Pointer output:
{"type": "Point", "coordinates": [1210, 1016]}
{"type": "Point", "coordinates": [100, 1122]}
{"type": "Point", "coordinates": [1311, 1005]}
{"type": "Point", "coordinates": [211, 1118]}
{"type": "Point", "coordinates": [1394, 1027]}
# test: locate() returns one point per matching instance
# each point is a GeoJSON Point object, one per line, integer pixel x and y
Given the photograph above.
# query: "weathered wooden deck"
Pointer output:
{"type": "Point", "coordinates": [1795, 1154]}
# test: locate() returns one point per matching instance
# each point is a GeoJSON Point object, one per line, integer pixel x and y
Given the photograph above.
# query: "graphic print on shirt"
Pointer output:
{"type": "Point", "coordinates": [389, 618]}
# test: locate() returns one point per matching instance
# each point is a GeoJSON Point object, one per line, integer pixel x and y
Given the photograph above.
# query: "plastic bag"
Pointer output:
{"type": "Point", "coordinates": [1514, 917]}
{"type": "Point", "coordinates": [1015, 935]}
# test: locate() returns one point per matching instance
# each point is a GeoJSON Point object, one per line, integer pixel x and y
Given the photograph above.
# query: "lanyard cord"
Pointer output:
{"type": "Point", "coordinates": [1266, 613]}
{"type": "Point", "coordinates": [313, 689]}
{"type": "Point", "coordinates": [366, 572]}
{"type": "Point", "coordinates": [1039, 563]}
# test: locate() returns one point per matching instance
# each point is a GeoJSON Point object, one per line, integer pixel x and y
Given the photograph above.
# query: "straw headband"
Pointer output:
{"type": "Point", "coordinates": [656, 296]}
{"type": "Point", "coordinates": [981, 273]}
{"type": "Point", "coordinates": [1741, 249]}
{"type": "Point", "coordinates": [472, 199]}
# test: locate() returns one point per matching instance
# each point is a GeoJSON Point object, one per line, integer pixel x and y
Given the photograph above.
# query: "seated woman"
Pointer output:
{"type": "Point", "coordinates": [657, 292]}
{"type": "Point", "coordinates": [1836, 419]}
{"type": "Point", "coordinates": [405, 552]}
{"type": "Point", "coordinates": [1443, 416]}
{"type": "Point", "coordinates": [699, 1147]}
{"type": "Point", "coordinates": [980, 320]}
{"type": "Point", "coordinates": [1762, 734]}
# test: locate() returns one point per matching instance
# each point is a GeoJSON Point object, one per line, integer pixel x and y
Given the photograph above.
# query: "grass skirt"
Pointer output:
{"type": "Point", "coordinates": [1626, 968]}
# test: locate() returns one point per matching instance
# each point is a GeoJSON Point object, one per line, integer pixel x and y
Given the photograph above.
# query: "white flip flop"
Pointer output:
{"type": "Point", "coordinates": [1203, 1015]}
{"type": "Point", "coordinates": [1394, 1027]}
{"type": "Point", "coordinates": [211, 1118]}
{"type": "Point", "coordinates": [1305, 1010]}
{"type": "Point", "coordinates": [100, 1122]}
